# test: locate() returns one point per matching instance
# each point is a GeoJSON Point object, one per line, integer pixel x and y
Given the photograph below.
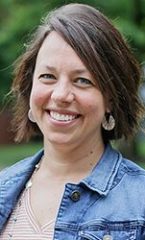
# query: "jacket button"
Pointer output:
{"type": "Point", "coordinates": [75, 196]}
{"type": "Point", "coordinates": [107, 237]}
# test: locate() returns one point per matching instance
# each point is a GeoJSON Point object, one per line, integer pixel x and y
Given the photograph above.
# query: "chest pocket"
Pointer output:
{"type": "Point", "coordinates": [108, 232]}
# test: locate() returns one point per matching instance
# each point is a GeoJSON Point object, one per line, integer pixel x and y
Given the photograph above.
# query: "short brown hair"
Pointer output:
{"type": "Point", "coordinates": [105, 54]}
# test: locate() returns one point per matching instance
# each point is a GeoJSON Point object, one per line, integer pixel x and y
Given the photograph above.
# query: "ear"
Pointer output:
{"type": "Point", "coordinates": [108, 110]}
{"type": "Point", "coordinates": [108, 103]}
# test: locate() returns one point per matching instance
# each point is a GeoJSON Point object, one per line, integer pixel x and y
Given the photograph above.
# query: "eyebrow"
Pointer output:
{"type": "Point", "coordinates": [77, 71]}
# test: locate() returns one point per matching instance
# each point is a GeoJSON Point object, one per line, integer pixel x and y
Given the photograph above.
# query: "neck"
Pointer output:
{"type": "Point", "coordinates": [67, 161]}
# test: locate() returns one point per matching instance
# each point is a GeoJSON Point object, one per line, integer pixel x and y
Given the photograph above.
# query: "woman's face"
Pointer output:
{"type": "Point", "coordinates": [65, 101]}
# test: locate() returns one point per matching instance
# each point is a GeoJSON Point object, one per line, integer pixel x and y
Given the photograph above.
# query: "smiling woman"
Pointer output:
{"type": "Point", "coordinates": [65, 101]}
{"type": "Point", "coordinates": [71, 87]}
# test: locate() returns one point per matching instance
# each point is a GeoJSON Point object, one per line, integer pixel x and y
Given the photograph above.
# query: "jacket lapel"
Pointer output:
{"type": "Point", "coordinates": [12, 183]}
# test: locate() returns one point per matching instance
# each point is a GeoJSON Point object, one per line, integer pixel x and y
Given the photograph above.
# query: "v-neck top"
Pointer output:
{"type": "Point", "coordinates": [23, 224]}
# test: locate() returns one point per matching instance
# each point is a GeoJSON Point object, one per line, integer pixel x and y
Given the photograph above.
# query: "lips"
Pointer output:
{"type": "Point", "coordinates": [62, 117]}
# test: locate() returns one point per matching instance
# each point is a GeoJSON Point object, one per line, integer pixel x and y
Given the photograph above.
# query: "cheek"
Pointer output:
{"type": "Point", "coordinates": [38, 96]}
{"type": "Point", "coordinates": [94, 104]}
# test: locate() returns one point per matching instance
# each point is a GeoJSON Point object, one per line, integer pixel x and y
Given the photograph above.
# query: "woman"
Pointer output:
{"type": "Point", "coordinates": [77, 85]}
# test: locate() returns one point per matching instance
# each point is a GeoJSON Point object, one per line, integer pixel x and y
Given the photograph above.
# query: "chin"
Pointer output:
{"type": "Point", "coordinates": [58, 141]}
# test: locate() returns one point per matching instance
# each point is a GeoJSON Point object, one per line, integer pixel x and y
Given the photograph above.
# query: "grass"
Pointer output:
{"type": "Point", "coordinates": [9, 154]}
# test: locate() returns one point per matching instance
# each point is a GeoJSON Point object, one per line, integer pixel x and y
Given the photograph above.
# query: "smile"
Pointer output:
{"type": "Point", "coordinates": [62, 117]}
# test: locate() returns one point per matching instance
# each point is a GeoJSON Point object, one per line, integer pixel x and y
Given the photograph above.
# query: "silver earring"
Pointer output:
{"type": "Point", "coordinates": [108, 122]}
{"type": "Point", "coordinates": [30, 116]}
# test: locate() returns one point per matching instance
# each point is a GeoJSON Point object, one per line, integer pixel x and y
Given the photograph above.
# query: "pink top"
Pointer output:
{"type": "Point", "coordinates": [26, 226]}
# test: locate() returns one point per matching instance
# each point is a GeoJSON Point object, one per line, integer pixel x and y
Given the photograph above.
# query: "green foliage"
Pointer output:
{"type": "Point", "coordinates": [10, 154]}
{"type": "Point", "coordinates": [129, 18]}
{"type": "Point", "coordinates": [19, 18]}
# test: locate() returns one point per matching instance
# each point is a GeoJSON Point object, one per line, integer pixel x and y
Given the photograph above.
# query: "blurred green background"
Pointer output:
{"type": "Point", "coordinates": [19, 18]}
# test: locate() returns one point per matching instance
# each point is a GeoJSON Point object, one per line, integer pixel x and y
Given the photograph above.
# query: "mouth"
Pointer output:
{"type": "Point", "coordinates": [63, 117]}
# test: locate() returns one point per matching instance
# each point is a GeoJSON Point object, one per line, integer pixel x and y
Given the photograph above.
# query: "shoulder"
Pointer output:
{"type": "Point", "coordinates": [131, 176]}
{"type": "Point", "coordinates": [132, 168]}
{"type": "Point", "coordinates": [23, 166]}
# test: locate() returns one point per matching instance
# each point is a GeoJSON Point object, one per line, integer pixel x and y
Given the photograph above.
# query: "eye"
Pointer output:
{"type": "Point", "coordinates": [83, 82]}
{"type": "Point", "coordinates": [47, 76]}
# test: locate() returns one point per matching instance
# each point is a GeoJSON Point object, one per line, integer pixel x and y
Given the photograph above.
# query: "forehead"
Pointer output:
{"type": "Point", "coordinates": [53, 41]}
{"type": "Point", "coordinates": [55, 50]}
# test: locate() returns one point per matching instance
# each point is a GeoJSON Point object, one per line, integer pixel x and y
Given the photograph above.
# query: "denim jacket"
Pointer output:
{"type": "Point", "coordinates": [109, 204]}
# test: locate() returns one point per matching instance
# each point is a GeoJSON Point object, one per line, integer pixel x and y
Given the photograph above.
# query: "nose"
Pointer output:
{"type": "Point", "coordinates": [62, 92]}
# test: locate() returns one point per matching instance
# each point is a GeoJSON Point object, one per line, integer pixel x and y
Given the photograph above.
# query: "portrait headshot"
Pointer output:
{"type": "Point", "coordinates": [75, 87]}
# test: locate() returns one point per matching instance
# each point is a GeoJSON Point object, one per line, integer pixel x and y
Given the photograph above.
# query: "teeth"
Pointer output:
{"type": "Point", "coordinates": [61, 117]}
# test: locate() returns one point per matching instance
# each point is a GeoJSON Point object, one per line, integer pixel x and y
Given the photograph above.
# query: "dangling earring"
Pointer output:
{"type": "Point", "coordinates": [30, 116]}
{"type": "Point", "coordinates": [108, 122]}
